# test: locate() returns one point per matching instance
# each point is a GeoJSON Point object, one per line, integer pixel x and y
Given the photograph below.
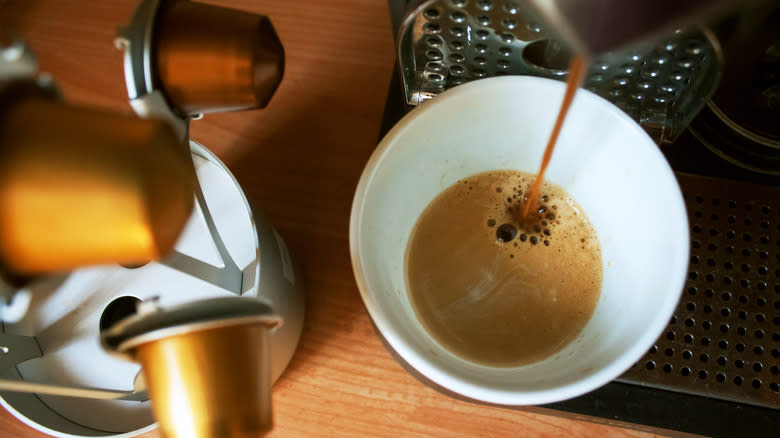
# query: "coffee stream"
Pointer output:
{"type": "Point", "coordinates": [576, 75]}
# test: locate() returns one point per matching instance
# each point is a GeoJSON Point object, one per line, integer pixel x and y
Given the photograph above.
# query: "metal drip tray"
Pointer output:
{"type": "Point", "coordinates": [445, 43]}
{"type": "Point", "coordinates": [724, 339]}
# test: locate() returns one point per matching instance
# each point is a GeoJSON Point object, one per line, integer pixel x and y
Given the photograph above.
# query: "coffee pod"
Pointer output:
{"type": "Point", "coordinates": [81, 186]}
{"type": "Point", "coordinates": [212, 382]}
{"type": "Point", "coordinates": [206, 366]}
{"type": "Point", "coordinates": [212, 59]}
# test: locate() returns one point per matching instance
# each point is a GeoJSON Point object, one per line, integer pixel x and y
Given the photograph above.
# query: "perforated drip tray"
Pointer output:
{"type": "Point", "coordinates": [724, 339]}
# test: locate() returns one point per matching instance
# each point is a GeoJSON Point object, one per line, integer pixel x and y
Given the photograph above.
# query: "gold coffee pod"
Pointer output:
{"type": "Point", "coordinates": [206, 366]}
{"type": "Point", "coordinates": [80, 186]}
{"type": "Point", "coordinates": [210, 383]}
{"type": "Point", "coordinates": [211, 59]}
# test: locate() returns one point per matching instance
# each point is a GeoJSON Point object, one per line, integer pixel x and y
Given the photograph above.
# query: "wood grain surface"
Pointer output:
{"type": "Point", "coordinates": [300, 159]}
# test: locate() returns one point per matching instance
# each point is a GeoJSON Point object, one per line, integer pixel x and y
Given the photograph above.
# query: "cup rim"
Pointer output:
{"type": "Point", "coordinates": [452, 382]}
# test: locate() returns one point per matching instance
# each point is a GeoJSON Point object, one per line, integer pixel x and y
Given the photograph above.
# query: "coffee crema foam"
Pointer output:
{"type": "Point", "coordinates": [497, 290]}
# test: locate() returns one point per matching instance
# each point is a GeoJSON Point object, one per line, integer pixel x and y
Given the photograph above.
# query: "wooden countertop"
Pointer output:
{"type": "Point", "coordinates": [300, 158]}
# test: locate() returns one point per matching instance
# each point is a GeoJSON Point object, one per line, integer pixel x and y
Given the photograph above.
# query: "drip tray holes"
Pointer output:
{"type": "Point", "coordinates": [723, 340]}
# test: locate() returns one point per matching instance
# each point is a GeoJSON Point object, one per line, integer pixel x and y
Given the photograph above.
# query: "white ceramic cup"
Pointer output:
{"type": "Point", "coordinates": [603, 159]}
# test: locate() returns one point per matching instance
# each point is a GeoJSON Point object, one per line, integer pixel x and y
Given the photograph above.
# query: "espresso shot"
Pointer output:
{"type": "Point", "coordinates": [499, 291]}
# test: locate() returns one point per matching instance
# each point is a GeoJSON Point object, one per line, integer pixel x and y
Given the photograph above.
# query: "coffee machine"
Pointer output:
{"type": "Point", "coordinates": [702, 78]}
{"type": "Point", "coordinates": [133, 267]}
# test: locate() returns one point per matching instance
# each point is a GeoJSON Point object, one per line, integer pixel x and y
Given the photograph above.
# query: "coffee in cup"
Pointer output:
{"type": "Point", "coordinates": [495, 290]}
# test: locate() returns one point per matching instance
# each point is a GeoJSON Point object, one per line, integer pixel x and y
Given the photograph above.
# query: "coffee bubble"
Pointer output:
{"type": "Point", "coordinates": [506, 232]}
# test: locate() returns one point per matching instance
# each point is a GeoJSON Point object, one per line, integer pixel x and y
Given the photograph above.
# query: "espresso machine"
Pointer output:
{"type": "Point", "coordinates": [703, 79]}
{"type": "Point", "coordinates": [139, 286]}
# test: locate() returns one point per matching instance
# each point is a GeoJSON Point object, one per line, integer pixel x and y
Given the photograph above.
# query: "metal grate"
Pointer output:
{"type": "Point", "coordinates": [449, 42]}
{"type": "Point", "coordinates": [724, 339]}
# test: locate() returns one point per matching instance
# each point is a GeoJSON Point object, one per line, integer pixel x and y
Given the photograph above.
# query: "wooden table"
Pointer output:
{"type": "Point", "coordinates": [300, 158]}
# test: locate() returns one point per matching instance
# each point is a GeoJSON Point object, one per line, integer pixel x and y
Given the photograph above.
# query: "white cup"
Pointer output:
{"type": "Point", "coordinates": [603, 159]}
